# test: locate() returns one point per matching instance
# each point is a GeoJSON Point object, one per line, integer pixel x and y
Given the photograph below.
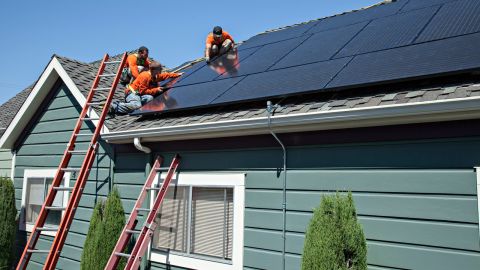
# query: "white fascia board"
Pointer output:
{"type": "Point", "coordinates": [52, 72]}
{"type": "Point", "coordinates": [419, 112]}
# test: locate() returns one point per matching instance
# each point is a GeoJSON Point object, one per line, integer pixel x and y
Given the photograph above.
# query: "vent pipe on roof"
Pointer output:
{"type": "Point", "coordinates": [140, 147]}
{"type": "Point", "coordinates": [270, 109]}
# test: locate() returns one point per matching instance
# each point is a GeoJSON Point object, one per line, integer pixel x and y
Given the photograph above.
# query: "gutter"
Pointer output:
{"type": "Point", "coordinates": [418, 112]}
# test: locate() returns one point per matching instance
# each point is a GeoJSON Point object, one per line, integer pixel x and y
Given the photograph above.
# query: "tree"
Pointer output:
{"type": "Point", "coordinates": [8, 224]}
{"type": "Point", "coordinates": [92, 250]}
{"type": "Point", "coordinates": [334, 238]}
{"type": "Point", "coordinates": [107, 223]}
{"type": "Point", "coordinates": [114, 221]}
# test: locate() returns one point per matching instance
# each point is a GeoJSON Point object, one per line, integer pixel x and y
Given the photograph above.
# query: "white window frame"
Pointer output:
{"type": "Point", "coordinates": [34, 173]}
{"type": "Point", "coordinates": [224, 180]}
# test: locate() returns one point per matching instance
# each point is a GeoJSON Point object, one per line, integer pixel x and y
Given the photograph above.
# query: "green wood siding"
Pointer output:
{"type": "Point", "coordinates": [416, 200]}
{"type": "Point", "coordinates": [5, 162]}
{"type": "Point", "coordinates": [43, 148]}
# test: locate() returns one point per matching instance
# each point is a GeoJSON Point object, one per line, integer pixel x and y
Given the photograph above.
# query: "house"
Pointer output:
{"type": "Point", "coordinates": [395, 122]}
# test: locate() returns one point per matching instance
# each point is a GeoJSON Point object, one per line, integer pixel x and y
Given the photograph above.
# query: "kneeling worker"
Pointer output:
{"type": "Point", "coordinates": [136, 63]}
{"type": "Point", "coordinates": [218, 42]}
{"type": "Point", "coordinates": [141, 91]}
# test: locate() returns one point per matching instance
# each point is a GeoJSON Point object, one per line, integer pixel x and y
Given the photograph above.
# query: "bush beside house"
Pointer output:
{"type": "Point", "coordinates": [8, 224]}
{"type": "Point", "coordinates": [334, 238]}
{"type": "Point", "coordinates": [107, 222]}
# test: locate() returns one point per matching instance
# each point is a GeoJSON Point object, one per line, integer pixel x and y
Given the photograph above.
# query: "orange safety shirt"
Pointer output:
{"type": "Point", "coordinates": [133, 62]}
{"type": "Point", "coordinates": [142, 83]}
{"type": "Point", "coordinates": [211, 40]}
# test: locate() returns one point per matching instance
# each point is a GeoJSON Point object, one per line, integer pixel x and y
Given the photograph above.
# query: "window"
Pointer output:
{"type": "Point", "coordinates": [36, 184]}
{"type": "Point", "coordinates": [200, 222]}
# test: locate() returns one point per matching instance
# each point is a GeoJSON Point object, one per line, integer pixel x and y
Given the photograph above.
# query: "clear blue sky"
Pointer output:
{"type": "Point", "coordinates": [174, 31]}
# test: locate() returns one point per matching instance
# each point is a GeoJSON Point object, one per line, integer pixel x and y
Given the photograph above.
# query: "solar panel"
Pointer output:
{"type": "Point", "coordinates": [381, 44]}
{"type": "Point", "coordinates": [281, 82]}
{"type": "Point", "coordinates": [358, 16]}
{"type": "Point", "coordinates": [277, 35]}
{"type": "Point", "coordinates": [453, 19]}
{"type": "Point", "coordinates": [225, 64]}
{"type": "Point", "coordinates": [190, 96]}
{"type": "Point", "coordinates": [320, 46]}
{"type": "Point", "coordinates": [444, 56]}
{"type": "Point", "coordinates": [389, 32]}
{"type": "Point", "coordinates": [266, 56]}
{"type": "Point", "coordinates": [415, 4]}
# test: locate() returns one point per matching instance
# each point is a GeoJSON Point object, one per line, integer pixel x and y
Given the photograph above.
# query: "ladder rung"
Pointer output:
{"type": "Point", "coordinates": [55, 207]}
{"type": "Point", "coordinates": [78, 151]}
{"type": "Point", "coordinates": [108, 75]}
{"type": "Point", "coordinates": [112, 62]}
{"type": "Point", "coordinates": [38, 251]}
{"type": "Point", "coordinates": [47, 229]}
{"type": "Point", "coordinates": [102, 88]}
{"type": "Point", "coordinates": [90, 118]}
{"type": "Point", "coordinates": [162, 169]}
{"type": "Point", "coordinates": [143, 209]}
{"type": "Point", "coordinates": [122, 254]}
{"type": "Point", "coordinates": [133, 231]}
{"type": "Point", "coordinates": [153, 188]}
{"type": "Point", "coordinates": [71, 169]}
{"type": "Point", "coordinates": [96, 103]}
{"type": "Point", "coordinates": [84, 134]}
{"type": "Point", "coordinates": [63, 188]}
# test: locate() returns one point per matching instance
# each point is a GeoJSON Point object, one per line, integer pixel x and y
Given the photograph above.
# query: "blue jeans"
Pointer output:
{"type": "Point", "coordinates": [132, 102]}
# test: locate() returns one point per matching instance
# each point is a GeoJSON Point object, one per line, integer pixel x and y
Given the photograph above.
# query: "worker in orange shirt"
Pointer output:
{"type": "Point", "coordinates": [218, 42]}
{"type": "Point", "coordinates": [136, 63]}
{"type": "Point", "coordinates": [141, 91]}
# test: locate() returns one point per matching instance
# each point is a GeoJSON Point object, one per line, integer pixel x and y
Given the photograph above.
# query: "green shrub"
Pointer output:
{"type": "Point", "coordinates": [107, 222]}
{"type": "Point", "coordinates": [334, 238]}
{"type": "Point", "coordinates": [8, 224]}
{"type": "Point", "coordinates": [92, 250]}
{"type": "Point", "coordinates": [114, 221]}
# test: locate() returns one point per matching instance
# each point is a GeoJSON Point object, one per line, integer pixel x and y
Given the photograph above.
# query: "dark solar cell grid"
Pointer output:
{"type": "Point", "coordinates": [460, 53]}
{"type": "Point", "coordinates": [189, 96]}
{"type": "Point", "coordinates": [278, 35]}
{"type": "Point", "coordinates": [453, 19]}
{"type": "Point", "coordinates": [281, 82]}
{"type": "Point", "coordinates": [266, 57]}
{"type": "Point", "coordinates": [358, 16]}
{"type": "Point", "coordinates": [389, 32]}
{"type": "Point", "coordinates": [321, 46]}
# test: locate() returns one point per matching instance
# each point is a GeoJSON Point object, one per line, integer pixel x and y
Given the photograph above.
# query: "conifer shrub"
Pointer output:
{"type": "Point", "coordinates": [106, 224]}
{"type": "Point", "coordinates": [114, 221]}
{"type": "Point", "coordinates": [334, 238]}
{"type": "Point", "coordinates": [8, 224]}
{"type": "Point", "coordinates": [92, 249]}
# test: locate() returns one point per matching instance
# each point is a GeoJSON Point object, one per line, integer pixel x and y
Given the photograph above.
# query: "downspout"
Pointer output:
{"type": "Point", "coordinates": [14, 158]}
{"type": "Point", "coordinates": [270, 109]}
{"type": "Point", "coordinates": [140, 147]}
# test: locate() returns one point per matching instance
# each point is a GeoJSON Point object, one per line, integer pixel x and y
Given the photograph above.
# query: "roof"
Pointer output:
{"type": "Point", "coordinates": [465, 87]}
{"type": "Point", "coordinates": [10, 108]}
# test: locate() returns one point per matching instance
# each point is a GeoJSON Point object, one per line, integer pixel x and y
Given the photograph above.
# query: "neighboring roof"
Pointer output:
{"type": "Point", "coordinates": [9, 109]}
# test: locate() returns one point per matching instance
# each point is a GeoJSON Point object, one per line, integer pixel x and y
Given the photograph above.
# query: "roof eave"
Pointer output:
{"type": "Point", "coordinates": [50, 75]}
{"type": "Point", "coordinates": [419, 112]}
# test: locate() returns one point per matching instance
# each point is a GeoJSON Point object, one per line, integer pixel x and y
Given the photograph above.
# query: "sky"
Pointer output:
{"type": "Point", "coordinates": [174, 31]}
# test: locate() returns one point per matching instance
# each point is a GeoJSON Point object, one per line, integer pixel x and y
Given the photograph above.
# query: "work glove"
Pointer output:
{"type": "Point", "coordinates": [207, 59]}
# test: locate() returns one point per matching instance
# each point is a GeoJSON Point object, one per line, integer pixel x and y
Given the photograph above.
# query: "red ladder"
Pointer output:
{"type": "Point", "coordinates": [145, 234]}
{"type": "Point", "coordinates": [83, 172]}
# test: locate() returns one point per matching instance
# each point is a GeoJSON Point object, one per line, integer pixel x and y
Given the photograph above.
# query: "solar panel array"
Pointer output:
{"type": "Point", "coordinates": [401, 40]}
